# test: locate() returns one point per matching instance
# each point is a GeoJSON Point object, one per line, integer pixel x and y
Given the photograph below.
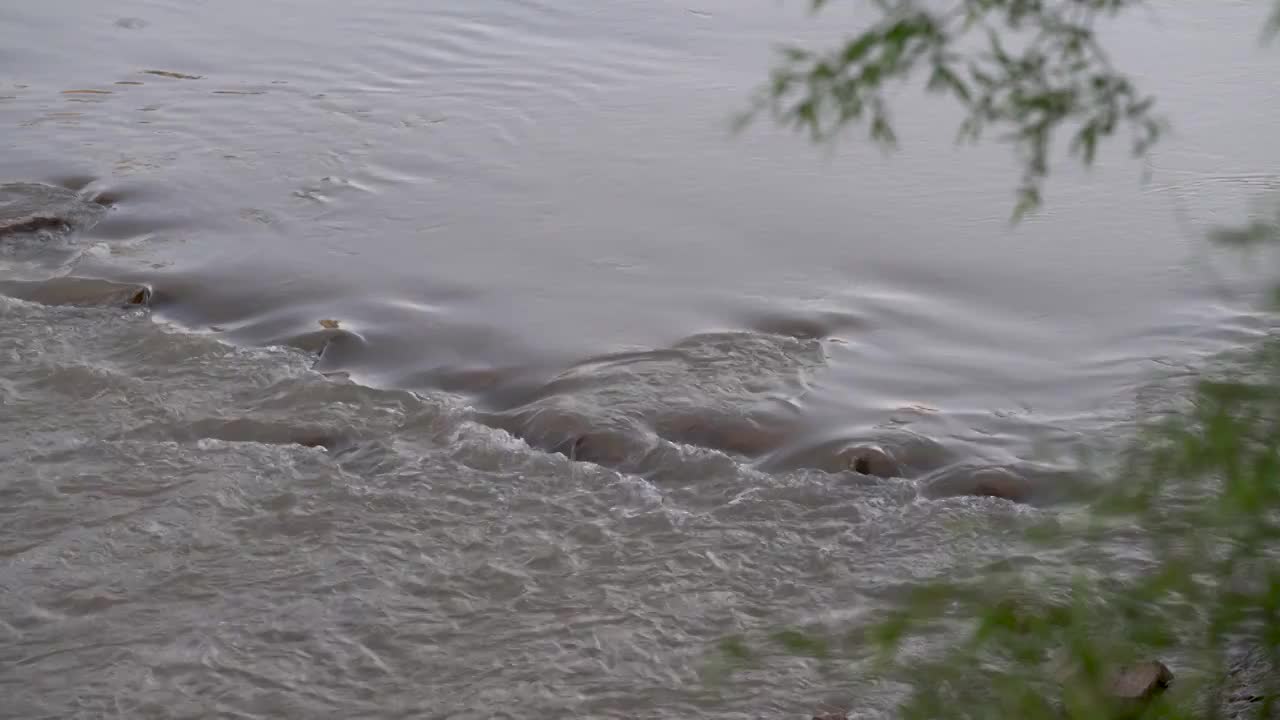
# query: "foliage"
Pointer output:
{"type": "Point", "coordinates": [1196, 498]}
{"type": "Point", "coordinates": [1199, 494]}
{"type": "Point", "coordinates": [1027, 70]}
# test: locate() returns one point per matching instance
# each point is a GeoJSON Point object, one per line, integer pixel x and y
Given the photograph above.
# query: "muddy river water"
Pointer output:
{"type": "Point", "coordinates": [389, 359]}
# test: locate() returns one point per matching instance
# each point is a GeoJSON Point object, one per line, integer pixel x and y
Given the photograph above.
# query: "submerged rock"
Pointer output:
{"type": "Point", "coordinates": [1023, 482]}
{"type": "Point", "coordinates": [870, 460]}
{"type": "Point", "coordinates": [961, 480]}
{"type": "Point", "coordinates": [1126, 691]}
{"type": "Point", "coordinates": [734, 434]}
{"type": "Point", "coordinates": [887, 454]}
{"type": "Point", "coordinates": [720, 391]}
{"type": "Point", "coordinates": [333, 348]}
{"type": "Point", "coordinates": [27, 208]}
{"type": "Point", "coordinates": [31, 224]}
{"type": "Point", "coordinates": [251, 430]}
{"type": "Point", "coordinates": [1138, 682]}
{"type": "Point", "coordinates": [614, 442]}
{"type": "Point", "coordinates": [78, 291]}
{"type": "Point", "coordinates": [39, 223]}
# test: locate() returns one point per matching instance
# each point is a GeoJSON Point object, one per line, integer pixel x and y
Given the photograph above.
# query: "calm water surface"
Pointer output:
{"type": "Point", "coordinates": [487, 375]}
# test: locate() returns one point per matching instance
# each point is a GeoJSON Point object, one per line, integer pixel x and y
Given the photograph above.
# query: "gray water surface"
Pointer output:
{"type": "Point", "coordinates": [482, 372]}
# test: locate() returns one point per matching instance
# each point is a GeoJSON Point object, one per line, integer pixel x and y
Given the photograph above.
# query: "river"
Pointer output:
{"type": "Point", "coordinates": [483, 372]}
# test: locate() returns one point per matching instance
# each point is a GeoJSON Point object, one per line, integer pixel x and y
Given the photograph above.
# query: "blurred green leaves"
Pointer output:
{"type": "Point", "coordinates": [1025, 70]}
{"type": "Point", "coordinates": [1197, 490]}
{"type": "Point", "coordinates": [1195, 500]}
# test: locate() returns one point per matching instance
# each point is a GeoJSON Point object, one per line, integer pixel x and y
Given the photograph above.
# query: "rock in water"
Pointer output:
{"type": "Point", "coordinates": [875, 461]}
{"type": "Point", "coordinates": [27, 208]}
{"type": "Point", "coordinates": [883, 454]}
{"type": "Point", "coordinates": [727, 432]}
{"type": "Point", "coordinates": [39, 223]}
{"type": "Point", "coordinates": [1126, 690]}
{"type": "Point", "coordinates": [1139, 682]}
{"type": "Point", "coordinates": [978, 481]}
{"type": "Point", "coordinates": [78, 291]}
{"type": "Point", "coordinates": [32, 224]}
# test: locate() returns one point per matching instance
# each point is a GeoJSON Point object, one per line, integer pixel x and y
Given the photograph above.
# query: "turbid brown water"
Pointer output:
{"type": "Point", "coordinates": [380, 360]}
